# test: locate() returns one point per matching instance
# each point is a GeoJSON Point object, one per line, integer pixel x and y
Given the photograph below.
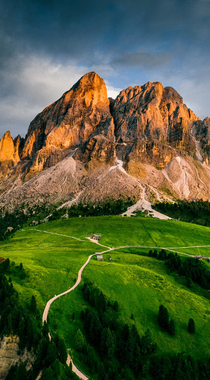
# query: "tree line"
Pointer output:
{"type": "Point", "coordinates": [192, 268]}
{"type": "Point", "coordinates": [116, 351]}
{"type": "Point", "coordinates": [194, 211]}
{"type": "Point", "coordinates": [108, 207]}
{"type": "Point", "coordinates": [107, 346]}
{"type": "Point", "coordinates": [12, 221]}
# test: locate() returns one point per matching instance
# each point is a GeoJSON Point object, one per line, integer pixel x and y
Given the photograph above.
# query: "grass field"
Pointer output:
{"type": "Point", "coordinates": [139, 284]}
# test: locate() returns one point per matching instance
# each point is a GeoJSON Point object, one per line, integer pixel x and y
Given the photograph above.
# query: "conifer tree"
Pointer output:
{"type": "Point", "coordinates": [191, 326]}
{"type": "Point", "coordinates": [61, 348]}
{"type": "Point", "coordinates": [87, 293]}
{"type": "Point", "coordinates": [163, 318]}
{"type": "Point", "coordinates": [33, 304]}
{"type": "Point", "coordinates": [79, 340]}
{"type": "Point", "coordinates": [110, 344]}
{"type": "Point", "coordinates": [47, 374]}
{"type": "Point", "coordinates": [56, 367]}
{"type": "Point", "coordinates": [45, 329]}
{"type": "Point", "coordinates": [23, 375]}
{"type": "Point", "coordinates": [101, 302]}
{"type": "Point", "coordinates": [21, 333]}
{"type": "Point", "coordinates": [51, 353]}
{"type": "Point", "coordinates": [13, 373]}
{"type": "Point", "coordinates": [41, 352]}
{"type": "Point", "coordinates": [116, 306]}
{"type": "Point", "coordinates": [189, 282]}
{"type": "Point", "coordinates": [171, 327]}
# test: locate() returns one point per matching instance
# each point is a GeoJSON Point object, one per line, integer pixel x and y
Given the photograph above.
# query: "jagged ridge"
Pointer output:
{"type": "Point", "coordinates": [146, 126]}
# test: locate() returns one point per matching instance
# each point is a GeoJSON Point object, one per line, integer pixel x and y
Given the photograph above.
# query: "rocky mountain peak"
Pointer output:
{"type": "Point", "coordinates": [172, 95]}
{"type": "Point", "coordinates": [151, 112]}
{"type": "Point", "coordinates": [71, 119]}
{"type": "Point", "coordinates": [92, 88]}
{"type": "Point", "coordinates": [8, 150]}
{"type": "Point", "coordinates": [142, 131]}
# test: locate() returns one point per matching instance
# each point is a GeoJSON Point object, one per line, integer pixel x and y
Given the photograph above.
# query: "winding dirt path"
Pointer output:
{"type": "Point", "coordinates": [49, 303]}
{"type": "Point", "coordinates": [55, 233]}
{"type": "Point", "coordinates": [47, 308]}
{"type": "Point", "coordinates": [80, 374]}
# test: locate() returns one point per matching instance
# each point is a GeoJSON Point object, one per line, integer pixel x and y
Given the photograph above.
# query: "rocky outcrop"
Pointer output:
{"type": "Point", "coordinates": [150, 120]}
{"type": "Point", "coordinates": [201, 133]}
{"type": "Point", "coordinates": [18, 145]}
{"type": "Point", "coordinates": [98, 149]}
{"type": "Point", "coordinates": [72, 119]}
{"type": "Point", "coordinates": [9, 151]}
{"type": "Point", "coordinates": [151, 152]}
{"type": "Point", "coordinates": [152, 112]}
{"type": "Point", "coordinates": [9, 355]}
{"type": "Point", "coordinates": [44, 159]}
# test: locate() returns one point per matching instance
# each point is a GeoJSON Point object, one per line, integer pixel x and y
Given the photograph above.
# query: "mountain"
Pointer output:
{"type": "Point", "coordinates": [86, 146]}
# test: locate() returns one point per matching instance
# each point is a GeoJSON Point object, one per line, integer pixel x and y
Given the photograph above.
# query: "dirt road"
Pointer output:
{"type": "Point", "coordinates": [49, 303]}
{"type": "Point", "coordinates": [47, 308]}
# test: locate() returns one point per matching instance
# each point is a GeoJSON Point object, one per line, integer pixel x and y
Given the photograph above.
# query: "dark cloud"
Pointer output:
{"type": "Point", "coordinates": [141, 59]}
{"type": "Point", "coordinates": [46, 45]}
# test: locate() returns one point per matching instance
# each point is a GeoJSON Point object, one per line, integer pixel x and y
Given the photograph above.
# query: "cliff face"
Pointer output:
{"type": "Point", "coordinates": [145, 122]}
{"type": "Point", "coordinates": [70, 120]}
{"type": "Point", "coordinates": [201, 133]}
{"type": "Point", "coordinates": [152, 112]}
{"type": "Point", "coordinates": [9, 355]}
{"type": "Point", "coordinates": [9, 149]}
{"type": "Point", "coordinates": [152, 121]}
{"type": "Point", "coordinates": [146, 127]}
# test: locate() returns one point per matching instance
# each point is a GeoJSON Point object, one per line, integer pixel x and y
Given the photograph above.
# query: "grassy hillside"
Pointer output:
{"type": "Point", "coordinates": [139, 284]}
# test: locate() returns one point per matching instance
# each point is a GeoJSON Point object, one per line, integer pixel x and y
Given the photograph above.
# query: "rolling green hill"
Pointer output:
{"type": "Point", "coordinates": [139, 284]}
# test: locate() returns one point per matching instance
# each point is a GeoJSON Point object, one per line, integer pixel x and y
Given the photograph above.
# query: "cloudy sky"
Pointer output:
{"type": "Point", "coordinates": [47, 45]}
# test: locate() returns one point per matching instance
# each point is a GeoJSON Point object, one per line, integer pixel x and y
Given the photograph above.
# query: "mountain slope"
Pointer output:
{"type": "Point", "coordinates": [72, 144]}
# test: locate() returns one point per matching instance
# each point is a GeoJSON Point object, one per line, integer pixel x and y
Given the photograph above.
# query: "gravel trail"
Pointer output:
{"type": "Point", "coordinates": [49, 303]}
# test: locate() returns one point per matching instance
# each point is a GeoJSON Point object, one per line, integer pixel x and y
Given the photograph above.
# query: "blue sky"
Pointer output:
{"type": "Point", "coordinates": [47, 45]}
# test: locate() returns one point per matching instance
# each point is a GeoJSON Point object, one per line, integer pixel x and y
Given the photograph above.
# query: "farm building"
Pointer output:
{"type": "Point", "coordinates": [99, 256]}
{"type": "Point", "coordinates": [203, 258]}
{"type": "Point", "coordinates": [10, 229]}
{"type": "Point", "coordinates": [34, 223]}
{"type": "Point", "coordinates": [95, 237]}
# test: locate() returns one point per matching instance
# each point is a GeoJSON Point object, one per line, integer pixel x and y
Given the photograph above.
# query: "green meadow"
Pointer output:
{"type": "Point", "coordinates": [139, 283]}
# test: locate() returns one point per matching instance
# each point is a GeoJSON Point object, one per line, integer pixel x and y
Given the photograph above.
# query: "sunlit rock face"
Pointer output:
{"type": "Point", "coordinates": [152, 112]}
{"type": "Point", "coordinates": [76, 145]}
{"type": "Point", "coordinates": [70, 120]}
{"type": "Point", "coordinates": [152, 120]}
{"type": "Point", "coordinates": [147, 118]}
{"type": "Point", "coordinates": [8, 150]}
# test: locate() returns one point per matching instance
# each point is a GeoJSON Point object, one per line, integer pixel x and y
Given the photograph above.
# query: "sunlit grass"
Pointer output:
{"type": "Point", "coordinates": [139, 284]}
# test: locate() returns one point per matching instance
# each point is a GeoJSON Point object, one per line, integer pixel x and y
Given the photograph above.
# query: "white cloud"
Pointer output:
{"type": "Point", "coordinates": [35, 83]}
{"type": "Point", "coordinates": [113, 92]}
